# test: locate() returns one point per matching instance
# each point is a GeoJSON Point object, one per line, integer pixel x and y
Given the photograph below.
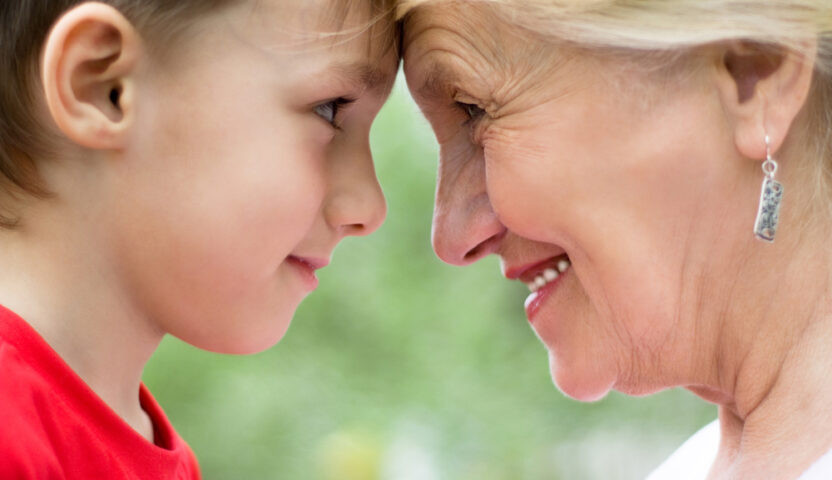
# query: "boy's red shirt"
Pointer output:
{"type": "Point", "coordinates": [53, 426]}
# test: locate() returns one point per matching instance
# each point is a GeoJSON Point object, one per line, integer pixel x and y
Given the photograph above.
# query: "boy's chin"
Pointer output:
{"type": "Point", "coordinates": [242, 346]}
{"type": "Point", "coordinates": [244, 341]}
{"type": "Point", "coordinates": [253, 346]}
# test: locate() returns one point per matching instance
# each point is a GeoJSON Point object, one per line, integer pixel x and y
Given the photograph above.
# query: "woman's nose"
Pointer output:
{"type": "Point", "coordinates": [355, 204]}
{"type": "Point", "coordinates": [465, 227]}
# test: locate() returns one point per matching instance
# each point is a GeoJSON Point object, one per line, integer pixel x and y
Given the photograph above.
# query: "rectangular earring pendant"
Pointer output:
{"type": "Point", "coordinates": [768, 215]}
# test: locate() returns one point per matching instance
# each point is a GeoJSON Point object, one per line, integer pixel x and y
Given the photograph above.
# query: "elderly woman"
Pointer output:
{"type": "Point", "coordinates": [658, 173]}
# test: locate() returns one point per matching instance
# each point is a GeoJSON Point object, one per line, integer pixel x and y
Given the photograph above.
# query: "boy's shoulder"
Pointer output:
{"type": "Point", "coordinates": [43, 434]}
{"type": "Point", "coordinates": [26, 412]}
{"type": "Point", "coordinates": [52, 425]}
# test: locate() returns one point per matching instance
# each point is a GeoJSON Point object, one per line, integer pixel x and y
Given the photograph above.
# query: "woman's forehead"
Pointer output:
{"type": "Point", "coordinates": [432, 19]}
{"type": "Point", "coordinates": [447, 43]}
{"type": "Point", "coordinates": [443, 29]}
{"type": "Point", "coordinates": [476, 29]}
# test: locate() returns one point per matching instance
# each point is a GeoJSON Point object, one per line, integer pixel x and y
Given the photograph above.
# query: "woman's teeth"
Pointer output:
{"type": "Point", "coordinates": [548, 275]}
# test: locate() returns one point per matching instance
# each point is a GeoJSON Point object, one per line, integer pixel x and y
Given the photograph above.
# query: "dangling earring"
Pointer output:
{"type": "Point", "coordinates": [770, 197]}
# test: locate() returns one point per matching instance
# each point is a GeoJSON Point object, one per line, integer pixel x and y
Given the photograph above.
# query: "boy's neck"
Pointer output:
{"type": "Point", "coordinates": [59, 281]}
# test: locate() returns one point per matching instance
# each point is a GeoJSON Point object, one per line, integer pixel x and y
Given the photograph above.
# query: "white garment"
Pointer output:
{"type": "Point", "coordinates": [693, 459]}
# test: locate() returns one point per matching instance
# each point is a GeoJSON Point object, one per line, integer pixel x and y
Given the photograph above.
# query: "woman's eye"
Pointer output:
{"type": "Point", "coordinates": [474, 112]}
{"type": "Point", "coordinates": [329, 110]}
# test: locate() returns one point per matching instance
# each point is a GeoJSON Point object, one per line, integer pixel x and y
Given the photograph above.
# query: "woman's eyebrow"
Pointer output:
{"type": "Point", "coordinates": [436, 81]}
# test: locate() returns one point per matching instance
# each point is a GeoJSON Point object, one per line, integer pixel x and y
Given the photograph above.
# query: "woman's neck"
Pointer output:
{"type": "Point", "coordinates": [790, 426]}
{"type": "Point", "coordinates": [773, 367]}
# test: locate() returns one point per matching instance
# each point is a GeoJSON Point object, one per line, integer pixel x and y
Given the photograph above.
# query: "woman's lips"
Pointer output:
{"type": "Point", "coordinates": [534, 302]}
{"type": "Point", "coordinates": [306, 269]}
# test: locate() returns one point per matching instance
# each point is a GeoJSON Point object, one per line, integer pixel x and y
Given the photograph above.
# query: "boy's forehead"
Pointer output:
{"type": "Point", "coordinates": [341, 26]}
{"type": "Point", "coordinates": [323, 17]}
{"type": "Point", "coordinates": [338, 39]}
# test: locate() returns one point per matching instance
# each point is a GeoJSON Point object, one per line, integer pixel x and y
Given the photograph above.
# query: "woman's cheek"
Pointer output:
{"type": "Point", "coordinates": [522, 181]}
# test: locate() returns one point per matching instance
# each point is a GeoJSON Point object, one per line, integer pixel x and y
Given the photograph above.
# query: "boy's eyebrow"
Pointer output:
{"type": "Point", "coordinates": [367, 76]}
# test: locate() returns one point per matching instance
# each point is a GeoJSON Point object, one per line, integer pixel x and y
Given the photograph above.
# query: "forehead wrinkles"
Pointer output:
{"type": "Point", "coordinates": [505, 59]}
{"type": "Point", "coordinates": [454, 47]}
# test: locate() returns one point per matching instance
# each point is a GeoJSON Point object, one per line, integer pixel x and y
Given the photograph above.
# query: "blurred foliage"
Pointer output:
{"type": "Point", "coordinates": [403, 368]}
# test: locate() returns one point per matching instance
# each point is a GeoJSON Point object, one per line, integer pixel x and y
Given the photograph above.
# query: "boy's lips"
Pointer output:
{"type": "Point", "coordinates": [306, 267]}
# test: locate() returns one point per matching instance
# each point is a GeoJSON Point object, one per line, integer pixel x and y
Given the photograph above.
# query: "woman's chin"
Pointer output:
{"type": "Point", "coordinates": [579, 385]}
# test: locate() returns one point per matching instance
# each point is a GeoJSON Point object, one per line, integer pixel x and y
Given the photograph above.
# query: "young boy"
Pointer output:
{"type": "Point", "coordinates": [167, 168]}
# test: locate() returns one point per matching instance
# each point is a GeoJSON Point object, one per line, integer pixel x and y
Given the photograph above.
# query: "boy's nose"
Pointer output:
{"type": "Point", "coordinates": [356, 204]}
{"type": "Point", "coordinates": [465, 227]}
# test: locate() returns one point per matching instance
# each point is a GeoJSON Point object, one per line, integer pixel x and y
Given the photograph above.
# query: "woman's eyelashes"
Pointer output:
{"type": "Point", "coordinates": [472, 111]}
{"type": "Point", "coordinates": [329, 110]}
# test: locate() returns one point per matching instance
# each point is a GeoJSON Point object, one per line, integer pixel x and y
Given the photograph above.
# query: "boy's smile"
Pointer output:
{"type": "Point", "coordinates": [306, 269]}
{"type": "Point", "coordinates": [245, 160]}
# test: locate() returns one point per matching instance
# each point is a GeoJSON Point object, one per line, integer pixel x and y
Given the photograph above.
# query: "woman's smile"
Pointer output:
{"type": "Point", "coordinates": [542, 277]}
{"type": "Point", "coordinates": [544, 285]}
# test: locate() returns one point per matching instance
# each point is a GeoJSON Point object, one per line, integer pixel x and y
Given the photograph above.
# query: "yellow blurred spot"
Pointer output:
{"type": "Point", "coordinates": [349, 455]}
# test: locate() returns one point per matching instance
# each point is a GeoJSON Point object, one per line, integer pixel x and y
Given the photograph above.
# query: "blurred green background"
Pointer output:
{"type": "Point", "coordinates": [400, 367]}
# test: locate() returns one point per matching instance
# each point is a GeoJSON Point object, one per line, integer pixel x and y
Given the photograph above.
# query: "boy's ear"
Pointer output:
{"type": "Point", "coordinates": [763, 89]}
{"type": "Point", "coordinates": [88, 64]}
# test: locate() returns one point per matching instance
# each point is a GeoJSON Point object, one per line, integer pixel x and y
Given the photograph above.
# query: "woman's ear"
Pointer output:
{"type": "Point", "coordinates": [763, 88]}
{"type": "Point", "coordinates": [88, 67]}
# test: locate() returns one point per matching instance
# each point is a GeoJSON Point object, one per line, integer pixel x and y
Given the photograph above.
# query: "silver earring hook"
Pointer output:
{"type": "Point", "coordinates": [770, 165]}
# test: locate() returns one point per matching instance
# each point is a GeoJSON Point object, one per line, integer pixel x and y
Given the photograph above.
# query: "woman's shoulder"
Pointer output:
{"type": "Point", "coordinates": [693, 459]}
{"type": "Point", "coordinates": [821, 469]}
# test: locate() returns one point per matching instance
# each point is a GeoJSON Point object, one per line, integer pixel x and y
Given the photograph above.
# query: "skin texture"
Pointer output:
{"type": "Point", "coordinates": [649, 181]}
{"type": "Point", "coordinates": [178, 205]}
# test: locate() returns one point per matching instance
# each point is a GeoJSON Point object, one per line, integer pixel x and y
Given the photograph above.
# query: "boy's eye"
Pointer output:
{"type": "Point", "coordinates": [329, 110]}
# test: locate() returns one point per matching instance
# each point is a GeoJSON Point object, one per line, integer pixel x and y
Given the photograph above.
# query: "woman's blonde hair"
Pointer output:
{"type": "Point", "coordinates": [678, 25]}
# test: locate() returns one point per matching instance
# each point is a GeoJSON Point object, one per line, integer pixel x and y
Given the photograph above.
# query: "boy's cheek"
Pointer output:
{"type": "Point", "coordinates": [226, 230]}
